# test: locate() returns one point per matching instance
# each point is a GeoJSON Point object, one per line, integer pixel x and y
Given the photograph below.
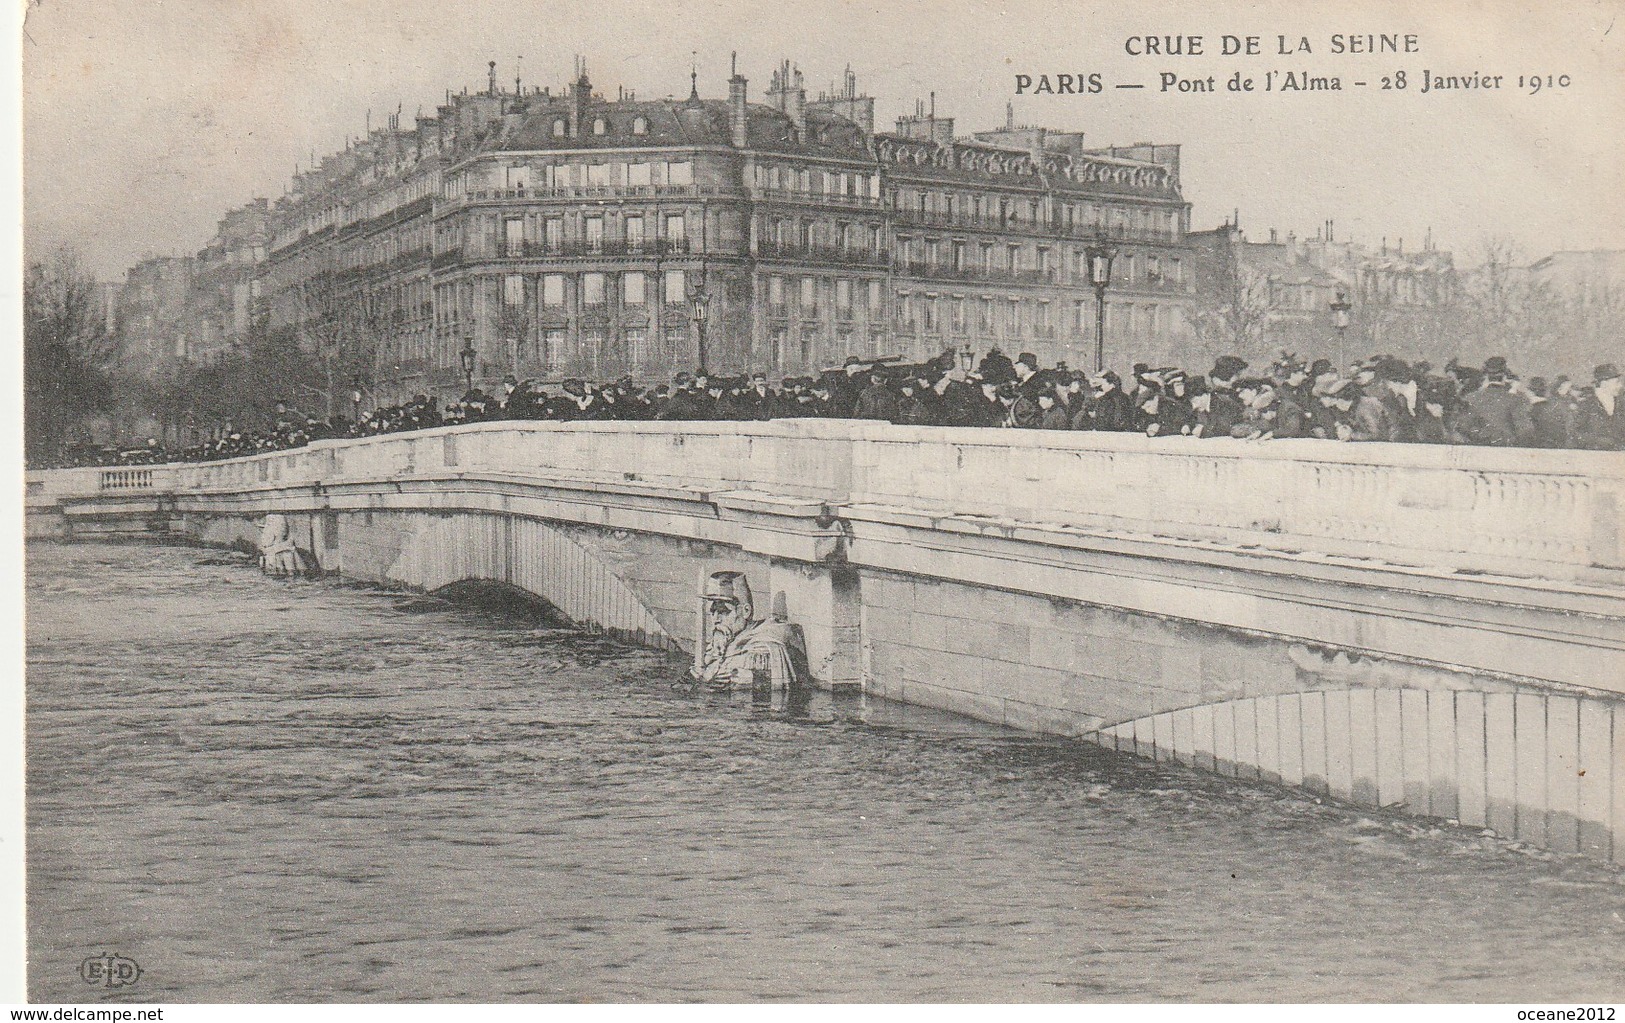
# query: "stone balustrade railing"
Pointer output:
{"type": "Point", "coordinates": [1542, 514]}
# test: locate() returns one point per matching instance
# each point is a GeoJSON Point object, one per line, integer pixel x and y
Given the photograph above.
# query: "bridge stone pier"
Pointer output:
{"type": "Point", "coordinates": [1434, 629]}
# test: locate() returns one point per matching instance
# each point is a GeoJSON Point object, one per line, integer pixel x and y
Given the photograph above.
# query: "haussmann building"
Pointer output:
{"type": "Point", "coordinates": [576, 235]}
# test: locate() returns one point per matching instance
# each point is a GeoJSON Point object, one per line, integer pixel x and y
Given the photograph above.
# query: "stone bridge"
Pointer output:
{"type": "Point", "coordinates": [1437, 629]}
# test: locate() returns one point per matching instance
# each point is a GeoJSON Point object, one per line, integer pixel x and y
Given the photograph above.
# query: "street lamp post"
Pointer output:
{"type": "Point", "coordinates": [700, 311]}
{"type": "Point", "coordinates": [468, 356]}
{"type": "Point", "coordinates": [1340, 317]}
{"type": "Point", "coordinates": [1100, 275]}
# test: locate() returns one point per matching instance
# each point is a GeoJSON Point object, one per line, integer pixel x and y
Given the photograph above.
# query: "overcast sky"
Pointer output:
{"type": "Point", "coordinates": [146, 119]}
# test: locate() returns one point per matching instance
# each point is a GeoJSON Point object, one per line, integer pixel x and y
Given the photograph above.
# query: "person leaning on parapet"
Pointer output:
{"type": "Point", "coordinates": [1498, 413]}
{"type": "Point", "coordinates": [1111, 411]}
{"type": "Point", "coordinates": [876, 401]}
{"type": "Point", "coordinates": [1600, 422]}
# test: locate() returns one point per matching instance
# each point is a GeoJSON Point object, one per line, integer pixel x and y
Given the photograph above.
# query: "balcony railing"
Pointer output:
{"type": "Point", "coordinates": [592, 192]}
{"type": "Point", "coordinates": [862, 202]}
{"type": "Point", "coordinates": [1053, 226]}
{"type": "Point", "coordinates": [971, 272]}
{"type": "Point", "coordinates": [592, 249]}
{"type": "Point", "coordinates": [823, 253]}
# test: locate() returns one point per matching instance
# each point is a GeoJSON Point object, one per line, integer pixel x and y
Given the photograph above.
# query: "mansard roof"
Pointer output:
{"type": "Point", "coordinates": [673, 123]}
{"type": "Point", "coordinates": [976, 163]}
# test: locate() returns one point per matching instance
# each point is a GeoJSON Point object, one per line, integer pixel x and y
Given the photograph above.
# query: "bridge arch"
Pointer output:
{"type": "Point", "coordinates": [1534, 766]}
{"type": "Point", "coordinates": [442, 550]}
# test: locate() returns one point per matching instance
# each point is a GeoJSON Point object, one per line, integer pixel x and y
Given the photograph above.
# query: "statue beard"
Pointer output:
{"type": "Point", "coordinates": [724, 628]}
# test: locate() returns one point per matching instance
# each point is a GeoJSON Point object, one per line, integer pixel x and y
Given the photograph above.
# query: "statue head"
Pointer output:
{"type": "Point", "coordinates": [728, 603]}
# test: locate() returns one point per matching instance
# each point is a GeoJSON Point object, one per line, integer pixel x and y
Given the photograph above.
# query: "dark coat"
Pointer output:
{"type": "Point", "coordinates": [1112, 412]}
{"type": "Point", "coordinates": [1222, 415]}
{"type": "Point", "coordinates": [1554, 421]}
{"type": "Point", "coordinates": [1500, 418]}
{"type": "Point", "coordinates": [876, 402]}
{"type": "Point", "coordinates": [1055, 419]}
{"type": "Point", "coordinates": [1594, 428]}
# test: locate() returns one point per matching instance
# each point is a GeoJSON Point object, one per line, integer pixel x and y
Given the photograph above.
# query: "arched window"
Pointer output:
{"type": "Point", "coordinates": [599, 126]}
{"type": "Point", "coordinates": [558, 127]}
{"type": "Point", "coordinates": [640, 125]}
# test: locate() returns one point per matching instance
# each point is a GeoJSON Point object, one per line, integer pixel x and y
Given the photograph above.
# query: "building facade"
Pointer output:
{"type": "Point", "coordinates": [1257, 297]}
{"type": "Point", "coordinates": [572, 234]}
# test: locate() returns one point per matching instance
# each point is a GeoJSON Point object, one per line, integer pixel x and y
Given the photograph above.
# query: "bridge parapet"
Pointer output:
{"type": "Point", "coordinates": [1454, 509]}
{"type": "Point", "coordinates": [1458, 509]}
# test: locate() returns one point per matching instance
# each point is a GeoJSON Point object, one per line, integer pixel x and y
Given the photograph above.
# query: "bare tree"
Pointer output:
{"type": "Point", "coordinates": [1232, 302]}
{"type": "Point", "coordinates": [68, 353]}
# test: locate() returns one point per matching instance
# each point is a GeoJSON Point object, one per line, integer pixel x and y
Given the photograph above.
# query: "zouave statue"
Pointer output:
{"type": "Point", "coordinates": [743, 652]}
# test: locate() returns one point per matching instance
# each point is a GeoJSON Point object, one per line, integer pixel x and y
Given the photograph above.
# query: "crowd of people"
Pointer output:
{"type": "Point", "coordinates": [1382, 398]}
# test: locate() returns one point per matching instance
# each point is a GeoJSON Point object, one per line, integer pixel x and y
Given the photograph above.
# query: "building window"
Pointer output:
{"type": "Point", "coordinates": [958, 315]}
{"type": "Point", "coordinates": [553, 290]}
{"type": "Point", "coordinates": [1012, 323]}
{"type": "Point", "coordinates": [558, 127]}
{"type": "Point", "coordinates": [928, 314]}
{"type": "Point", "coordinates": [513, 290]}
{"type": "Point", "coordinates": [632, 287]}
{"type": "Point", "coordinates": [599, 126]}
{"type": "Point", "coordinates": [637, 347]}
{"type": "Point", "coordinates": [843, 297]}
{"type": "Point", "coordinates": [676, 288]}
{"type": "Point", "coordinates": [984, 316]}
{"type": "Point", "coordinates": [775, 295]}
{"type": "Point", "coordinates": [640, 125]}
{"type": "Point", "coordinates": [552, 352]}
{"type": "Point", "coordinates": [592, 345]}
{"type": "Point", "coordinates": [809, 296]}
{"type": "Point", "coordinates": [595, 234]}
{"type": "Point", "coordinates": [638, 174]}
{"type": "Point", "coordinates": [1080, 316]}
{"type": "Point", "coordinates": [676, 228]}
{"type": "Point", "coordinates": [592, 289]}
{"type": "Point", "coordinates": [597, 174]}
{"type": "Point", "coordinates": [634, 232]}
{"type": "Point", "coordinates": [1042, 319]}
{"type": "Point", "coordinates": [553, 232]}
{"type": "Point", "coordinates": [680, 173]}
{"type": "Point", "coordinates": [874, 296]}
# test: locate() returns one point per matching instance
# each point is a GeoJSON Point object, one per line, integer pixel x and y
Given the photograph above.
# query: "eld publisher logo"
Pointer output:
{"type": "Point", "coordinates": [110, 970]}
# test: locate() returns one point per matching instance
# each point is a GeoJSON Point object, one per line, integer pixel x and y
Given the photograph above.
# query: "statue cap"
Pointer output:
{"type": "Point", "coordinates": [728, 586]}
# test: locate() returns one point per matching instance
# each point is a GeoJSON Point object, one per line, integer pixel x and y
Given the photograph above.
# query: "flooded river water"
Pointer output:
{"type": "Point", "coordinates": [264, 790]}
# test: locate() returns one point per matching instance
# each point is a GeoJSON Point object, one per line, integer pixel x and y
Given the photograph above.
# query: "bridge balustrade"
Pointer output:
{"type": "Point", "coordinates": [1462, 509]}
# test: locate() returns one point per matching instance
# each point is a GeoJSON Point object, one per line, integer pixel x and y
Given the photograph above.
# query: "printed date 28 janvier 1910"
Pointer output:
{"type": "Point", "coordinates": [1293, 80]}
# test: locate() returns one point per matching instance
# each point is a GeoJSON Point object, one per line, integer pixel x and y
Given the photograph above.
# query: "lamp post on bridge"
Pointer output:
{"type": "Point", "coordinates": [1340, 317]}
{"type": "Point", "coordinates": [701, 304]}
{"type": "Point", "coordinates": [468, 355]}
{"type": "Point", "coordinates": [1100, 256]}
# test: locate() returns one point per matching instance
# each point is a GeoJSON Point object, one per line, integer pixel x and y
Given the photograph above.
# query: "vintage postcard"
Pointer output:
{"type": "Point", "coordinates": [749, 502]}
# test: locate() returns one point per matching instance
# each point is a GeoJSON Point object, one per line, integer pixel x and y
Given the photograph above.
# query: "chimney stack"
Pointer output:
{"type": "Point", "coordinates": [798, 102]}
{"type": "Point", "coordinates": [491, 80]}
{"type": "Point", "coordinates": [737, 114]}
